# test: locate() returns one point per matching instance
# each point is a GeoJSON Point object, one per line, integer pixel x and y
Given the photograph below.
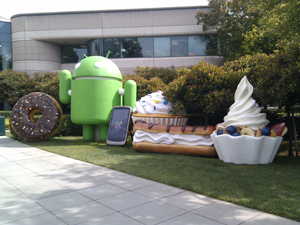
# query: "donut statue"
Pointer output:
{"type": "Point", "coordinates": [24, 110]}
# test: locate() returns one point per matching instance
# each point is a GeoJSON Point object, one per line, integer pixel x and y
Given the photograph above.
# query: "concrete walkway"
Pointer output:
{"type": "Point", "coordinates": [38, 187]}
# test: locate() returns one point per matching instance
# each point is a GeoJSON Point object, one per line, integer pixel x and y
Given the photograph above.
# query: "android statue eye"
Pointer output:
{"type": "Point", "coordinates": [77, 65]}
{"type": "Point", "coordinates": [99, 65]}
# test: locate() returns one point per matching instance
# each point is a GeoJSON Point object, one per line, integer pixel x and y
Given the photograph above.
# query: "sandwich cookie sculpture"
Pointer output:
{"type": "Point", "coordinates": [157, 130]}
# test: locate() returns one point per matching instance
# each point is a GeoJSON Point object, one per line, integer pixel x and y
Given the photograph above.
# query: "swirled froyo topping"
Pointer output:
{"type": "Point", "coordinates": [244, 110]}
{"type": "Point", "coordinates": [154, 103]}
{"type": "Point", "coordinates": [168, 138]}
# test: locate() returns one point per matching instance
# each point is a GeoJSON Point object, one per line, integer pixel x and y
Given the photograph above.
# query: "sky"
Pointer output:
{"type": "Point", "coordinates": [13, 7]}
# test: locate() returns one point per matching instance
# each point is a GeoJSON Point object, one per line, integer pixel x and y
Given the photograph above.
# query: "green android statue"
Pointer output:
{"type": "Point", "coordinates": [94, 88]}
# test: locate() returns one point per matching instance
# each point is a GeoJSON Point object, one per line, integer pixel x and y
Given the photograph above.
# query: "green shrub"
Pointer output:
{"type": "Point", "coordinates": [14, 85]}
{"type": "Point", "coordinates": [68, 128]}
{"type": "Point", "coordinates": [275, 77]}
{"type": "Point", "coordinates": [6, 114]}
{"type": "Point", "coordinates": [145, 86]}
{"type": "Point", "coordinates": [47, 83]}
{"type": "Point", "coordinates": [204, 89]}
{"type": "Point", "coordinates": [165, 74]}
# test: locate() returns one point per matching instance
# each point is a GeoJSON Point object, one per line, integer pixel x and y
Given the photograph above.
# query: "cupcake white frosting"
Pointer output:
{"type": "Point", "coordinates": [155, 103]}
{"type": "Point", "coordinates": [244, 110]}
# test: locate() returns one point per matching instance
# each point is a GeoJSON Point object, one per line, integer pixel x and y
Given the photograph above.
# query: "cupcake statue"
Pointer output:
{"type": "Point", "coordinates": [243, 137]}
{"type": "Point", "coordinates": [154, 108]}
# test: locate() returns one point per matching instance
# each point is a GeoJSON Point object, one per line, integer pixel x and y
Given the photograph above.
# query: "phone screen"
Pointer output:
{"type": "Point", "coordinates": [118, 127]}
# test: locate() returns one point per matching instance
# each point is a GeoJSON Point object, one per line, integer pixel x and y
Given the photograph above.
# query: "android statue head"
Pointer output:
{"type": "Point", "coordinates": [93, 90]}
{"type": "Point", "coordinates": [96, 66]}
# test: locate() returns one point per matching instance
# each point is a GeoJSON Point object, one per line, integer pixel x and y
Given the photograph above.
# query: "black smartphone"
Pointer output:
{"type": "Point", "coordinates": [118, 125]}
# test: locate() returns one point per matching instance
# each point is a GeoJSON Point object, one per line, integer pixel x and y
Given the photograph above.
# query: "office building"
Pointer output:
{"type": "Point", "coordinates": [160, 37]}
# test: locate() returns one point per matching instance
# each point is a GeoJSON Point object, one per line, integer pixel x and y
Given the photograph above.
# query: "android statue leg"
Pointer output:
{"type": "Point", "coordinates": [103, 129]}
{"type": "Point", "coordinates": [88, 132]}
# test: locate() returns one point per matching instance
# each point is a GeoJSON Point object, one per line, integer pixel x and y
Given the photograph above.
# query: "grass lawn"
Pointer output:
{"type": "Point", "coordinates": [273, 188]}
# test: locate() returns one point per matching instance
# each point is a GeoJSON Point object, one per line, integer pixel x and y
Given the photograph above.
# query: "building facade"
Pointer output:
{"type": "Point", "coordinates": [161, 37]}
{"type": "Point", "coordinates": [5, 44]}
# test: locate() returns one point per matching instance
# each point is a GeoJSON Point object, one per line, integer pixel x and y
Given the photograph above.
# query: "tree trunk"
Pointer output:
{"type": "Point", "coordinates": [290, 132]}
{"type": "Point", "coordinates": [295, 131]}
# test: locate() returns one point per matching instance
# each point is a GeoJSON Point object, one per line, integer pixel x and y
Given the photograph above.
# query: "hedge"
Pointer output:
{"type": "Point", "coordinates": [6, 114]}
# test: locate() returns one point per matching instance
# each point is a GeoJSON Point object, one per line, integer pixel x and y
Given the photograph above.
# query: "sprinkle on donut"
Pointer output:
{"type": "Point", "coordinates": [22, 120]}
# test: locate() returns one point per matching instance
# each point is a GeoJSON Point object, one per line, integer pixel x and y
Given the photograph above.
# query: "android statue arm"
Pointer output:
{"type": "Point", "coordinates": [130, 91]}
{"type": "Point", "coordinates": [65, 78]}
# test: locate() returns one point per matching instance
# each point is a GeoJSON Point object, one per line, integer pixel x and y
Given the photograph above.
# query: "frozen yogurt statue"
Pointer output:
{"type": "Point", "coordinates": [155, 108]}
{"type": "Point", "coordinates": [245, 111]}
{"type": "Point", "coordinates": [243, 137]}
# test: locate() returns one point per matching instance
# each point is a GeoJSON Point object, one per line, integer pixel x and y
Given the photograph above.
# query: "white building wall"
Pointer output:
{"type": "Point", "coordinates": [37, 38]}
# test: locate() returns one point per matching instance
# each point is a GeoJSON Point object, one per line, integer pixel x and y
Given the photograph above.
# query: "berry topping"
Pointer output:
{"type": "Point", "coordinates": [231, 129]}
{"type": "Point", "coordinates": [266, 131]}
{"type": "Point", "coordinates": [220, 131]}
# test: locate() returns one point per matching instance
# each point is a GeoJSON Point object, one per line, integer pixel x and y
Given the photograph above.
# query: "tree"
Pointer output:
{"type": "Point", "coordinates": [278, 25]}
{"type": "Point", "coordinates": [231, 19]}
{"type": "Point", "coordinates": [252, 26]}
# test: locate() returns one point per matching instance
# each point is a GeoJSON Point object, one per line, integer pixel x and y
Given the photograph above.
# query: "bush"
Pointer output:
{"type": "Point", "coordinates": [145, 86]}
{"type": "Point", "coordinates": [14, 85]}
{"type": "Point", "coordinates": [6, 114]}
{"type": "Point", "coordinates": [47, 83]}
{"type": "Point", "coordinates": [253, 67]}
{"type": "Point", "coordinates": [204, 89]}
{"type": "Point", "coordinates": [167, 75]}
{"type": "Point", "coordinates": [68, 128]}
{"type": "Point", "coordinates": [275, 77]}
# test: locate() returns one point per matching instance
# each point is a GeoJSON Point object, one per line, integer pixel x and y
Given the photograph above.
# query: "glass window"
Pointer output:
{"type": "Point", "coordinates": [5, 65]}
{"type": "Point", "coordinates": [73, 53]}
{"type": "Point", "coordinates": [81, 51]}
{"type": "Point", "coordinates": [196, 45]}
{"type": "Point", "coordinates": [178, 46]}
{"type": "Point", "coordinates": [138, 47]}
{"type": "Point", "coordinates": [147, 46]}
{"type": "Point", "coordinates": [131, 48]}
{"type": "Point", "coordinates": [112, 45]}
{"type": "Point", "coordinates": [95, 47]}
{"type": "Point", "coordinates": [5, 51]}
{"type": "Point", "coordinates": [5, 27]}
{"type": "Point", "coordinates": [5, 37]}
{"type": "Point", "coordinates": [162, 47]}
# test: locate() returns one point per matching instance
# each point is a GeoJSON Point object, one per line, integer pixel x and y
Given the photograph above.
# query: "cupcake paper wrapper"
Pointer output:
{"type": "Point", "coordinates": [246, 149]}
